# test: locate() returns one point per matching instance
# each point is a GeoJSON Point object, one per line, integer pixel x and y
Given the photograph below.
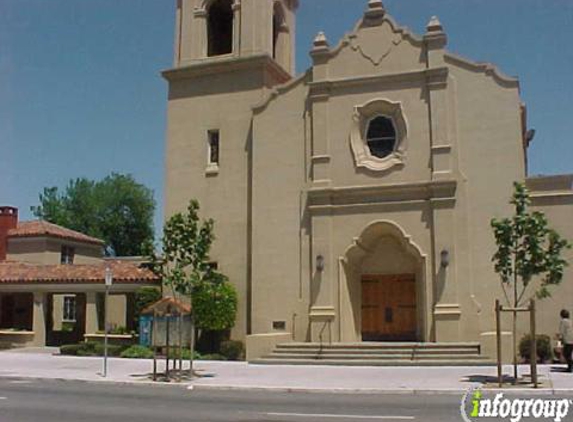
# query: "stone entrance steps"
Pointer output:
{"type": "Point", "coordinates": [377, 354]}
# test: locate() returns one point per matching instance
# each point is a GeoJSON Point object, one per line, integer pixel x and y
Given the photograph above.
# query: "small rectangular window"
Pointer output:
{"type": "Point", "coordinates": [67, 255]}
{"type": "Point", "coordinates": [69, 311]}
{"type": "Point", "coordinates": [213, 139]}
{"type": "Point", "coordinates": [279, 325]}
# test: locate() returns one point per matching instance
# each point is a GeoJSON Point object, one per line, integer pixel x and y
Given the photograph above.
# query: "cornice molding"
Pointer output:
{"type": "Point", "coordinates": [278, 90]}
{"type": "Point", "coordinates": [333, 197]}
{"type": "Point", "coordinates": [434, 75]}
{"type": "Point", "coordinates": [488, 69]}
{"type": "Point", "coordinates": [212, 66]}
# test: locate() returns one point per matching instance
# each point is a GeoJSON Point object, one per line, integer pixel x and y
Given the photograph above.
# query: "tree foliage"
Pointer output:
{"type": "Point", "coordinates": [527, 247]}
{"type": "Point", "coordinates": [185, 269]}
{"type": "Point", "coordinates": [116, 209]}
{"type": "Point", "coordinates": [144, 296]}
{"type": "Point", "coordinates": [215, 304]}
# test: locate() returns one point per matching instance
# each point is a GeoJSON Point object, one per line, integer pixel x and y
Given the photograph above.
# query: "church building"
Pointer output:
{"type": "Point", "coordinates": [352, 203]}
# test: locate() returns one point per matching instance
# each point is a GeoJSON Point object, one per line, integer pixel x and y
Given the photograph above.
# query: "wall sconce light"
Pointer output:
{"type": "Point", "coordinates": [444, 258]}
{"type": "Point", "coordinates": [319, 263]}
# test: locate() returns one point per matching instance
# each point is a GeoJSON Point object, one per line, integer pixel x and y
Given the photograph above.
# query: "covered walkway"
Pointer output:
{"type": "Point", "coordinates": [60, 304]}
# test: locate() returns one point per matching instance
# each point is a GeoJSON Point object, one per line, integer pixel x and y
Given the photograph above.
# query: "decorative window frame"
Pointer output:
{"type": "Point", "coordinates": [65, 315]}
{"type": "Point", "coordinates": [213, 166]}
{"type": "Point", "coordinates": [202, 12]}
{"type": "Point", "coordinates": [361, 118]}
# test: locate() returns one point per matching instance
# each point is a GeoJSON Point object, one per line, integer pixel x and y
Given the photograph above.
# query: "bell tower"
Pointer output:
{"type": "Point", "coordinates": [212, 29]}
{"type": "Point", "coordinates": [227, 55]}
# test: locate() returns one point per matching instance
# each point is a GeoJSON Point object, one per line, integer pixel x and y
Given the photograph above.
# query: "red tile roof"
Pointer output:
{"type": "Point", "coordinates": [12, 272]}
{"type": "Point", "coordinates": [165, 304]}
{"type": "Point", "coordinates": [43, 228]}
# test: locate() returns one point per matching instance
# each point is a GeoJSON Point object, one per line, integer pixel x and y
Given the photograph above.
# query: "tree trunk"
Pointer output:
{"type": "Point", "coordinates": [515, 374]}
{"type": "Point", "coordinates": [515, 347]}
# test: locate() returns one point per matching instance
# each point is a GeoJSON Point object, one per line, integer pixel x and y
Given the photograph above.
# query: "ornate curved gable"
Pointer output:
{"type": "Point", "coordinates": [376, 46]}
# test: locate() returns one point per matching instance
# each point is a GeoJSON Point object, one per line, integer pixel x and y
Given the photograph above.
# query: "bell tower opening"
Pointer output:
{"type": "Point", "coordinates": [220, 28]}
{"type": "Point", "coordinates": [278, 23]}
{"type": "Point", "coordinates": [212, 31]}
{"type": "Point", "coordinates": [281, 36]}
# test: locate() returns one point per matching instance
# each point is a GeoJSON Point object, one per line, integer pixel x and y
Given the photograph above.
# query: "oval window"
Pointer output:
{"type": "Point", "coordinates": [381, 136]}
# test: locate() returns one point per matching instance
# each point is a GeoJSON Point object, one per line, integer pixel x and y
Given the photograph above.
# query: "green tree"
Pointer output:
{"type": "Point", "coordinates": [526, 248]}
{"type": "Point", "coordinates": [185, 269]}
{"type": "Point", "coordinates": [116, 209]}
{"type": "Point", "coordinates": [144, 296]}
{"type": "Point", "coordinates": [215, 304]}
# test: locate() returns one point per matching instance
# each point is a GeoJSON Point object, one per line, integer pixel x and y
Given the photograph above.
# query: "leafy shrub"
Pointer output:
{"type": "Point", "coordinates": [209, 341]}
{"type": "Point", "coordinates": [544, 349]}
{"type": "Point", "coordinates": [90, 348]}
{"type": "Point", "coordinates": [120, 330]}
{"type": "Point", "coordinates": [70, 349]}
{"type": "Point", "coordinates": [112, 349]}
{"type": "Point", "coordinates": [232, 349]}
{"type": "Point", "coordinates": [213, 356]}
{"type": "Point", "coordinates": [185, 354]}
{"type": "Point", "coordinates": [137, 352]}
{"type": "Point", "coordinates": [215, 303]}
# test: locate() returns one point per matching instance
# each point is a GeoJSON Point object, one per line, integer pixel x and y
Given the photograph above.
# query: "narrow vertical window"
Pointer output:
{"type": "Point", "coordinates": [69, 309]}
{"type": "Point", "coordinates": [220, 28]}
{"type": "Point", "coordinates": [213, 139]}
{"type": "Point", "coordinates": [67, 255]}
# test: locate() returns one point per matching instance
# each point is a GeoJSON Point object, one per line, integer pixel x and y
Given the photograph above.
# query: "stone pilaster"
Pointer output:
{"type": "Point", "coordinates": [323, 282]}
{"type": "Point", "coordinates": [39, 319]}
{"type": "Point", "coordinates": [91, 313]}
{"type": "Point", "coordinates": [447, 310]}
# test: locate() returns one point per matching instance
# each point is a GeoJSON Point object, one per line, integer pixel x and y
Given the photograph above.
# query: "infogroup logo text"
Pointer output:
{"type": "Point", "coordinates": [513, 409]}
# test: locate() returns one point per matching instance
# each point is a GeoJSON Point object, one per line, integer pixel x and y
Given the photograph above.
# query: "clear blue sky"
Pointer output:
{"type": "Point", "coordinates": [81, 95]}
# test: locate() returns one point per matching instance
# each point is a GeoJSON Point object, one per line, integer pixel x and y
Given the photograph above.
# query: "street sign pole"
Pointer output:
{"type": "Point", "coordinates": [108, 283]}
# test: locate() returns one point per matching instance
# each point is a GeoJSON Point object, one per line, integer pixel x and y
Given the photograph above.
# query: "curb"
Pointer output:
{"type": "Point", "coordinates": [99, 381]}
{"type": "Point", "coordinates": [285, 389]}
{"type": "Point", "coordinates": [323, 390]}
{"type": "Point", "coordinates": [372, 391]}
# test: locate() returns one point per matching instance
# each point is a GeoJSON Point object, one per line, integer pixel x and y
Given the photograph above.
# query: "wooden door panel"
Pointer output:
{"type": "Point", "coordinates": [389, 307]}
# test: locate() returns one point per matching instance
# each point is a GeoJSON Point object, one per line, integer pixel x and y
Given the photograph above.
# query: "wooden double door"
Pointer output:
{"type": "Point", "coordinates": [389, 311]}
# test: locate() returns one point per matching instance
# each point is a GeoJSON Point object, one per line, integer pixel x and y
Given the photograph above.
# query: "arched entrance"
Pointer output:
{"type": "Point", "coordinates": [384, 274]}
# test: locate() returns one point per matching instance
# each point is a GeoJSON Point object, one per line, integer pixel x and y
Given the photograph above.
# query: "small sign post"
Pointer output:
{"type": "Point", "coordinates": [108, 283]}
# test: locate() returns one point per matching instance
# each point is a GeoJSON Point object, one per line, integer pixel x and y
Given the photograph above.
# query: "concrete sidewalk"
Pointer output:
{"type": "Point", "coordinates": [40, 363]}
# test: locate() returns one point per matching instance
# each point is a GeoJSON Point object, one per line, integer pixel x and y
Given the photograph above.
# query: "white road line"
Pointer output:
{"type": "Point", "coordinates": [3, 398]}
{"type": "Point", "coordinates": [326, 415]}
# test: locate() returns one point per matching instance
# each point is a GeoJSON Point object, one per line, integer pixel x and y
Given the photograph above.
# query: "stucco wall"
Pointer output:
{"type": "Point", "coordinates": [280, 225]}
{"type": "Point", "coordinates": [45, 250]}
{"type": "Point", "coordinates": [219, 99]}
{"type": "Point", "coordinates": [486, 112]}
{"type": "Point", "coordinates": [557, 205]}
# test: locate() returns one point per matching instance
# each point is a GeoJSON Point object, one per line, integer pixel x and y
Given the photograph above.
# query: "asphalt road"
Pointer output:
{"type": "Point", "coordinates": [67, 401]}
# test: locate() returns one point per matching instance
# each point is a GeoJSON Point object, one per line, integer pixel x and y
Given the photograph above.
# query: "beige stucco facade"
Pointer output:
{"type": "Point", "coordinates": [48, 250]}
{"type": "Point", "coordinates": [295, 183]}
